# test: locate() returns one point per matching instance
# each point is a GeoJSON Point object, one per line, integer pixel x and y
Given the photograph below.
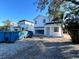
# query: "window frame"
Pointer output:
{"type": "Point", "coordinates": [35, 22]}
{"type": "Point", "coordinates": [44, 20]}
{"type": "Point", "coordinates": [56, 29]}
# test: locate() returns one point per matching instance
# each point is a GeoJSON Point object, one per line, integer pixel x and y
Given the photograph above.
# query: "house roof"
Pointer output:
{"type": "Point", "coordinates": [25, 20]}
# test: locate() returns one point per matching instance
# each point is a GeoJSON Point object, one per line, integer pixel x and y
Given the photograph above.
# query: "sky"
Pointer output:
{"type": "Point", "coordinates": [16, 10]}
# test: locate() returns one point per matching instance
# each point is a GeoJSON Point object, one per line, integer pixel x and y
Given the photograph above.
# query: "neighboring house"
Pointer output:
{"type": "Point", "coordinates": [47, 27]}
{"type": "Point", "coordinates": [26, 25]}
{"type": "Point", "coordinates": [14, 27]}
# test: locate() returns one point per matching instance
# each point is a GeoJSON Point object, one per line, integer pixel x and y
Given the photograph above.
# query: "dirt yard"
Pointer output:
{"type": "Point", "coordinates": [41, 48]}
{"type": "Point", "coordinates": [64, 39]}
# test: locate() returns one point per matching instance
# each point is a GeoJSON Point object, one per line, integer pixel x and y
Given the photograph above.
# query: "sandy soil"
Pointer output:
{"type": "Point", "coordinates": [63, 39]}
{"type": "Point", "coordinates": [52, 48]}
{"type": "Point", "coordinates": [45, 48]}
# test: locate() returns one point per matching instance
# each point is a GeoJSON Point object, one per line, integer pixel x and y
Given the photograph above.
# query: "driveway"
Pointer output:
{"type": "Point", "coordinates": [40, 48]}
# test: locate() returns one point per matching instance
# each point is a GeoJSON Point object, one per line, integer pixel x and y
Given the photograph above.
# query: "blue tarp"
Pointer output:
{"type": "Point", "coordinates": [23, 34]}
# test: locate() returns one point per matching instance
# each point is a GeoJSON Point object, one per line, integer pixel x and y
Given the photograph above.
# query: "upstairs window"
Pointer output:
{"type": "Point", "coordinates": [35, 22]}
{"type": "Point", "coordinates": [56, 29]}
{"type": "Point", "coordinates": [44, 20]}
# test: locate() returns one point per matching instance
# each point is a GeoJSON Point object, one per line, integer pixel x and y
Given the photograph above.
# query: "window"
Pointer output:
{"type": "Point", "coordinates": [44, 21]}
{"type": "Point", "coordinates": [35, 22]}
{"type": "Point", "coordinates": [22, 29]}
{"type": "Point", "coordinates": [56, 29]}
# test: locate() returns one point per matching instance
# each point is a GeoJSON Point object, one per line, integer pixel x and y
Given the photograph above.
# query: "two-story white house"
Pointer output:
{"type": "Point", "coordinates": [46, 26]}
{"type": "Point", "coordinates": [26, 25]}
{"type": "Point", "coordinates": [39, 23]}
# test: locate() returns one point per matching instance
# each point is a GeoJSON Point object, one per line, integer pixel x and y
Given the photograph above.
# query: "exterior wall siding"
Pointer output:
{"type": "Point", "coordinates": [40, 23]}
{"type": "Point", "coordinates": [49, 28]}
{"type": "Point", "coordinates": [51, 31]}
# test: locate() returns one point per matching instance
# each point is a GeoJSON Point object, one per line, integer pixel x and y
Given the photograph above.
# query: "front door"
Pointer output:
{"type": "Point", "coordinates": [47, 31]}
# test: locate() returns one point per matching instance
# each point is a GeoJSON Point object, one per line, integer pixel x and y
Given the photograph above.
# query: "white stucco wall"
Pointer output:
{"type": "Point", "coordinates": [40, 24]}
{"type": "Point", "coordinates": [51, 30]}
{"type": "Point", "coordinates": [39, 20]}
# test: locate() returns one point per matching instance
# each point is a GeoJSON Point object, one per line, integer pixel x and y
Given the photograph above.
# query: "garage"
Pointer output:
{"type": "Point", "coordinates": [39, 32]}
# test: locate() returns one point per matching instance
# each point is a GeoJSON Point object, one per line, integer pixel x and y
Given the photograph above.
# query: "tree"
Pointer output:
{"type": "Point", "coordinates": [70, 11]}
{"type": "Point", "coordinates": [54, 6]}
{"type": "Point", "coordinates": [7, 24]}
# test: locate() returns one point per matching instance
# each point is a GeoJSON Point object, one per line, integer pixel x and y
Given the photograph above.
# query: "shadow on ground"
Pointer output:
{"type": "Point", "coordinates": [48, 50]}
{"type": "Point", "coordinates": [65, 50]}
